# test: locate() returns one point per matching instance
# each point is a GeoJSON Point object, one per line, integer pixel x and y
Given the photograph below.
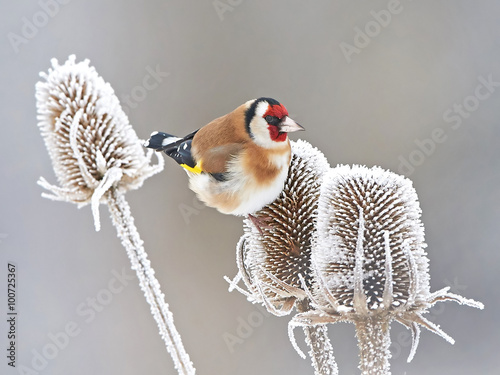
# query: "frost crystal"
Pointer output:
{"type": "Point", "coordinates": [97, 157]}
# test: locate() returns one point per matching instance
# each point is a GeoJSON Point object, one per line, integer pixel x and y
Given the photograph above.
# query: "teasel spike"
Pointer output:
{"type": "Point", "coordinates": [388, 288]}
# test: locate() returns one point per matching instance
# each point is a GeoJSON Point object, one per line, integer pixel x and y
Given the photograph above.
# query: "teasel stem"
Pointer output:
{"type": "Point", "coordinates": [129, 236]}
{"type": "Point", "coordinates": [374, 340]}
{"type": "Point", "coordinates": [321, 350]}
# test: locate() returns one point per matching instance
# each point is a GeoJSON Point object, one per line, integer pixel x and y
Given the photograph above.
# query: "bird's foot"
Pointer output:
{"type": "Point", "coordinates": [260, 222]}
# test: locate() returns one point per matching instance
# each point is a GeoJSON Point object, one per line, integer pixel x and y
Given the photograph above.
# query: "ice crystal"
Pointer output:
{"type": "Point", "coordinates": [97, 157]}
{"type": "Point", "coordinates": [370, 267]}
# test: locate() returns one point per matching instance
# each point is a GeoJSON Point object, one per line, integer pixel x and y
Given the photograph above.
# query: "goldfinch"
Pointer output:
{"type": "Point", "coordinates": [237, 163]}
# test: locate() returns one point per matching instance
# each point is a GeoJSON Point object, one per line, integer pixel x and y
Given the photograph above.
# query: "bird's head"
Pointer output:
{"type": "Point", "coordinates": [268, 123]}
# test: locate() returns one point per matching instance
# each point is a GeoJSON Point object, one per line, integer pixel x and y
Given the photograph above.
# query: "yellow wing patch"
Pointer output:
{"type": "Point", "coordinates": [196, 169]}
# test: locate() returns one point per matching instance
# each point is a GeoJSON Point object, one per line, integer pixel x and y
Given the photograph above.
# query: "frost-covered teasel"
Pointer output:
{"type": "Point", "coordinates": [370, 267]}
{"type": "Point", "coordinates": [97, 157]}
{"type": "Point", "coordinates": [90, 141]}
{"type": "Point", "coordinates": [278, 251]}
{"type": "Point", "coordinates": [273, 256]}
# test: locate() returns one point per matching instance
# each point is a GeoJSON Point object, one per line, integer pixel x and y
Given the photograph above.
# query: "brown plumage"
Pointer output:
{"type": "Point", "coordinates": [220, 140]}
{"type": "Point", "coordinates": [237, 163]}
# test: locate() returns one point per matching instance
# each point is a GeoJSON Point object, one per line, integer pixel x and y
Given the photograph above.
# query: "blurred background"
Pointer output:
{"type": "Point", "coordinates": [412, 86]}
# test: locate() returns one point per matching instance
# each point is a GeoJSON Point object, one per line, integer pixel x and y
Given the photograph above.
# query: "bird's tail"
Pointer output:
{"type": "Point", "coordinates": [177, 148]}
{"type": "Point", "coordinates": [162, 141]}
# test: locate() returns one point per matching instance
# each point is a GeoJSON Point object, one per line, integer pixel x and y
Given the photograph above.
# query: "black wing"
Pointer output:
{"type": "Point", "coordinates": [177, 148]}
{"type": "Point", "coordinates": [163, 141]}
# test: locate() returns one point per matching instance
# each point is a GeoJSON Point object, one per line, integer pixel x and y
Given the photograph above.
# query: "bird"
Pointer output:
{"type": "Point", "coordinates": [237, 163]}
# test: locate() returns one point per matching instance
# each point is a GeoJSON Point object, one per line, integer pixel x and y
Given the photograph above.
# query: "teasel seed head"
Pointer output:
{"type": "Point", "coordinates": [370, 267]}
{"type": "Point", "coordinates": [274, 254]}
{"type": "Point", "coordinates": [90, 141]}
{"type": "Point", "coordinates": [369, 246]}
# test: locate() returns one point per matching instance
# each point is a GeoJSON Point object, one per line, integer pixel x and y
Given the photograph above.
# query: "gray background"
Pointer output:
{"type": "Point", "coordinates": [372, 110]}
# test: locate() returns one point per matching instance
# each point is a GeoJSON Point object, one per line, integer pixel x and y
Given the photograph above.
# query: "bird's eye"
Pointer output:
{"type": "Point", "coordinates": [272, 120]}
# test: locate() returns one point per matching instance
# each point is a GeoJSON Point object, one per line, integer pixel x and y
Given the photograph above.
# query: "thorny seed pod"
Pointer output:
{"type": "Point", "coordinates": [274, 257]}
{"type": "Point", "coordinates": [274, 254]}
{"type": "Point", "coordinates": [90, 141]}
{"type": "Point", "coordinates": [370, 267]}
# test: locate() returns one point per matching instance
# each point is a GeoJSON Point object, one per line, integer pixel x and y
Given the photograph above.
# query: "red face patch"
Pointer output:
{"type": "Point", "coordinates": [275, 134]}
{"type": "Point", "coordinates": [279, 111]}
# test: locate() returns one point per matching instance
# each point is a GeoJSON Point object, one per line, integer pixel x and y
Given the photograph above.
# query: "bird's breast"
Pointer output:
{"type": "Point", "coordinates": [254, 178]}
{"type": "Point", "coordinates": [264, 165]}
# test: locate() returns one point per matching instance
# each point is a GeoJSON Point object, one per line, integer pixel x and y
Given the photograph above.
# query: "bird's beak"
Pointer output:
{"type": "Point", "coordinates": [287, 125]}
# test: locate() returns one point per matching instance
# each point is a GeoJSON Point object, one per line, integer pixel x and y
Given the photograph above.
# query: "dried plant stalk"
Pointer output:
{"type": "Point", "coordinates": [320, 347]}
{"type": "Point", "coordinates": [131, 241]}
{"type": "Point", "coordinates": [97, 157]}
{"type": "Point", "coordinates": [374, 340]}
{"type": "Point", "coordinates": [320, 350]}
